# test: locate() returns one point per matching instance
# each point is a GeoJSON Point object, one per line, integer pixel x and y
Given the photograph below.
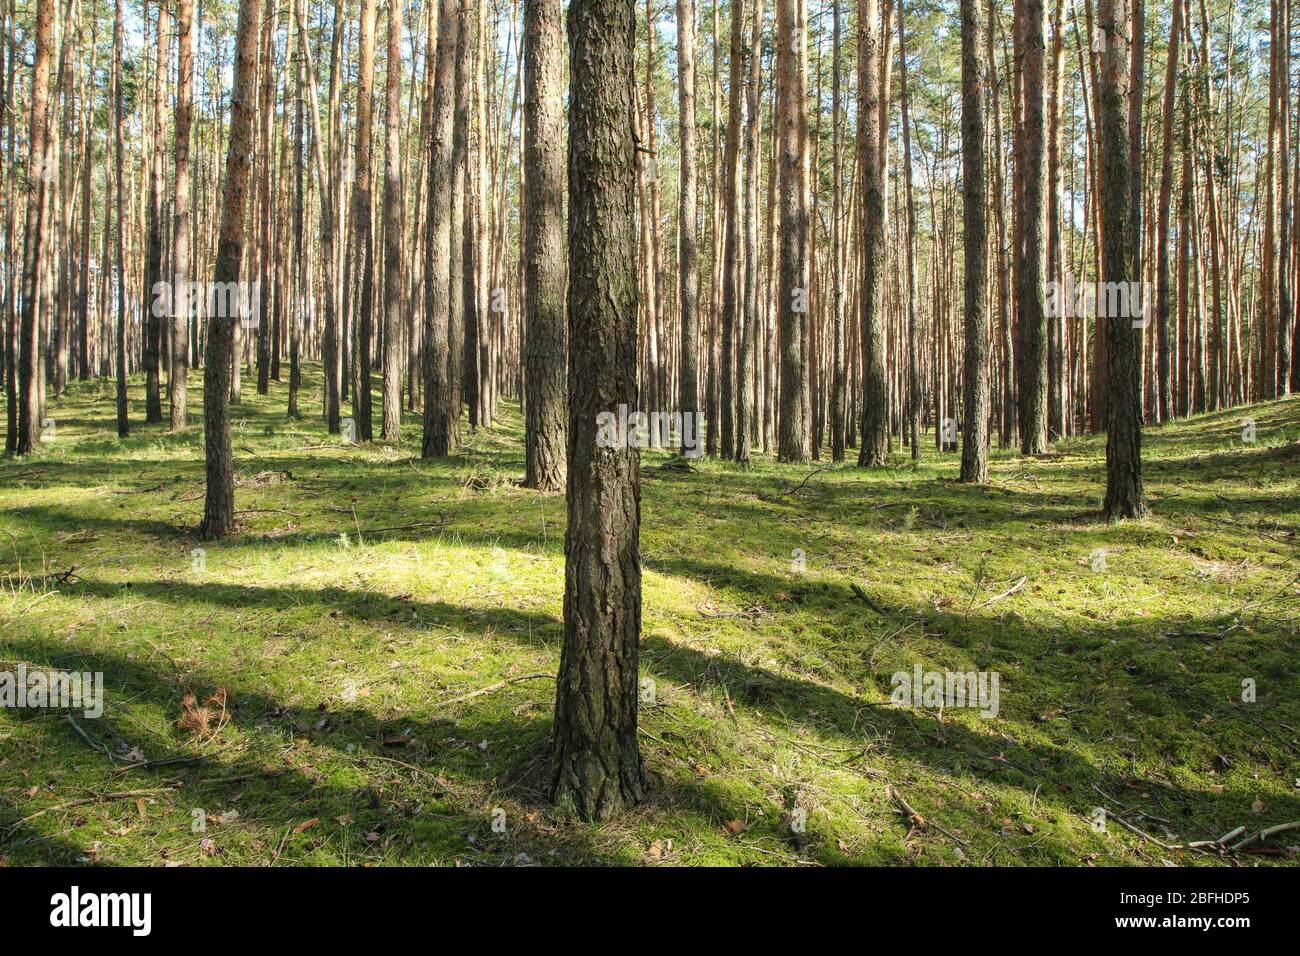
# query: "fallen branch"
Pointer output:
{"type": "Point", "coordinates": [1014, 589]}
{"type": "Point", "coordinates": [915, 818]}
{"type": "Point", "coordinates": [866, 599]}
{"type": "Point", "coordinates": [493, 687]}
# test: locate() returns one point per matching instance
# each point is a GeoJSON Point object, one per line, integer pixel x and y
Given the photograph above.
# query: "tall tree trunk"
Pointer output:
{"type": "Point", "coordinates": [874, 449]}
{"type": "Point", "coordinates": [394, 230]}
{"type": "Point", "coordinates": [792, 289]}
{"type": "Point", "coordinates": [687, 256]}
{"type": "Point", "coordinates": [1284, 303]}
{"type": "Point", "coordinates": [119, 112]}
{"type": "Point", "coordinates": [1164, 389]}
{"type": "Point", "coordinates": [153, 264]}
{"type": "Point", "coordinates": [596, 760]}
{"type": "Point", "coordinates": [975, 398]}
{"type": "Point", "coordinates": [177, 383]}
{"type": "Point", "coordinates": [362, 226]}
{"type": "Point", "coordinates": [219, 503]}
{"type": "Point", "coordinates": [839, 373]}
{"type": "Point", "coordinates": [36, 231]}
{"type": "Point", "coordinates": [909, 252]}
{"type": "Point", "coordinates": [1124, 497]}
{"type": "Point", "coordinates": [730, 264]}
{"type": "Point", "coordinates": [747, 333]}
{"type": "Point", "coordinates": [544, 267]}
{"type": "Point", "coordinates": [1031, 347]}
{"type": "Point", "coordinates": [438, 242]}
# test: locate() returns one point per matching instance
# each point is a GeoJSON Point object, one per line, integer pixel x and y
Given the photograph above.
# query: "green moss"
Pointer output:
{"type": "Point", "coordinates": [370, 593]}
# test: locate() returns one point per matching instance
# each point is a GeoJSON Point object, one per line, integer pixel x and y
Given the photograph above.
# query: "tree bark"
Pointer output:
{"type": "Point", "coordinates": [975, 398]}
{"type": "Point", "coordinates": [1031, 350]}
{"type": "Point", "coordinates": [438, 242]}
{"type": "Point", "coordinates": [874, 448]}
{"type": "Point", "coordinates": [177, 381]}
{"type": "Point", "coordinates": [36, 233]}
{"type": "Point", "coordinates": [219, 503]}
{"type": "Point", "coordinates": [545, 433]}
{"type": "Point", "coordinates": [687, 254]}
{"type": "Point", "coordinates": [1124, 497]}
{"type": "Point", "coordinates": [394, 230]}
{"type": "Point", "coordinates": [597, 769]}
{"type": "Point", "coordinates": [362, 227]}
{"type": "Point", "coordinates": [792, 288]}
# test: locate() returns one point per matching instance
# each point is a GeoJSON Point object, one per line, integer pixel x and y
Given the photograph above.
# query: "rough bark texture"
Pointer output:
{"type": "Point", "coordinates": [394, 229]}
{"type": "Point", "coordinates": [36, 233]}
{"type": "Point", "coordinates": [1124, 341]}
{"type": "Point", "coordinates": [154, 254]}
{"type": "Point", "coordinates": [730, 264]}
{"type": "Point", "coordinates": [874, 447]}
{"type": "Point", "coordinates": [219, 503]}
{"type": "Point", "coordinates": [437, 246]}
{"type": "Point", "coordinates": [596, 760]}
{"type": "Point", "coordinates": [177, 383]}
{"type": "Point", "coordinates": [119, 176]}
{"type": "Point", "coordinates": [975, 398]}
{"type": "Point", "coordinates": [1164, 382]}
{"type": "Point", "coordinates": [362, 226]}
{"type": "Point", "coordinates": [839, 378]}
{"type": "Point", "coordinates": [687, 255]}
{"type": "Point", "coordinates": [1031, 350]}
{"type": "Point", "coordinates": [546, 411]}
{"type": "Point", "coordinates": [795, 442]}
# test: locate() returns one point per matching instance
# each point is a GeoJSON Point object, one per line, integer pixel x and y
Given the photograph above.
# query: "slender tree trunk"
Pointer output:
{"type": "Point", "coordinates": [545, 370]}
{"type": "Point", "coordinates": [975, 399]}
{"type": "Point", "coordinates": [36, 231]}
{"type": "Point", "coordinates": [1124, 497]}
{"type": "Point", "coordinates": [394, 230]}
{"type": "Point", "coordinates": [687, 255]}
{"type": "Point", "coordinates": [438, 242]}
{"type": "Point", "coordinates": [177, 383]}
{"type": "Point", "coordinates": [792, 289]}
{"type": "Point", "coordinates": [1164, 391]}
{"type": "Point", "coordinates": [909, 253]}
{"type": "Point", "coordinates": [596, 760]}
{"type": "Point", "coordinates": [1031, 347]}
{"type": "Point", "coordinates": [154, 262]}
{"type": "Point", "coordinates": [874, 449]}
{"type": "Point", "coordinates": [219, 504]}
{"type": "Point", "coordinates": [730, 264]}
{"type": "Point", "coordinates": [362, 227]}
{"type": "Point", "coordinates": [119, 111]}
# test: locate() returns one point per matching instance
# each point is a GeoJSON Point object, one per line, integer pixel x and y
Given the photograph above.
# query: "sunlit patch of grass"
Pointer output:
{"type": "Point", "coordinates": [386, 628]}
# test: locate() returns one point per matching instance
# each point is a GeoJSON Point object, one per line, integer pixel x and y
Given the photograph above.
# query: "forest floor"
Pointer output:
{"type": "Point", "coordinates": [385, 631]}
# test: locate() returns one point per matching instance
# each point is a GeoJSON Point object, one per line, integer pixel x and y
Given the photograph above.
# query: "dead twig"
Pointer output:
{"type": "Point", "coordinates": [1014, 589]}
{"type": "Point", "coordinates": [493, 687]}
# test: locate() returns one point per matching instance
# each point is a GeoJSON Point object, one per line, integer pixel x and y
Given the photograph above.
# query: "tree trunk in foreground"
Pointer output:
{"type": "Point", "coordinates": [219, 504]}
{"type": "Point", "coordinates": [975, 400]}
{"type": "Point", "coordinates": [874, 448]}
{"type": "Point", "coordinates": [36, 233]}
{"type": "Point", "coordinates": [596, 760]}
{"type": "Point", "coordinates": [394, 229]}
{"type": "Point", "coordinates": [688, 268]}
{"type": "Point", "coordinates": [795, 444]}
{"type": "Point", "coordinates": [177, 384]}
{"type": "Point", "coordinates": [545, 432]}
{"type": "Point", "coordinates": [1124, 338]}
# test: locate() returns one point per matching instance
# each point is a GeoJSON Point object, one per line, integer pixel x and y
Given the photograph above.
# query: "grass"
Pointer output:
{"type": "Point", "coordinates": [385, 629]}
